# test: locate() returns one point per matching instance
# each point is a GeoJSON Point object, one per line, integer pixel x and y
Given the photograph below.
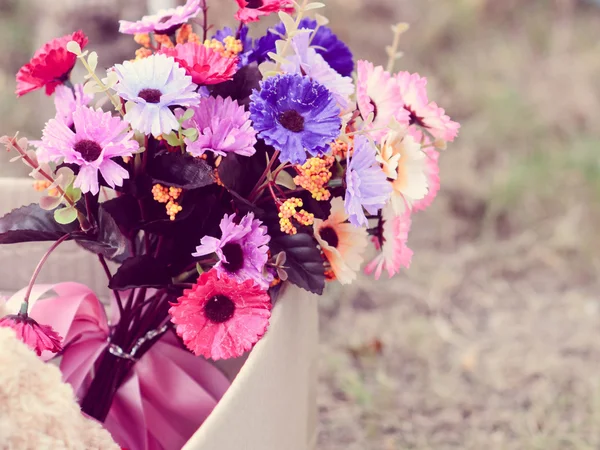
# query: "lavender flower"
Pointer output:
{"type": "Point", "coordinates": [97, 138]}
{"type": "Point", "coordinates": [151, 86]}
{"type": "Point", "coordinates": [166, 21]}
{"type": "Point", "coordinates": [242, 249]}
{"type": "Point", "coordinates": [223, 126]}
{"type": "Point", "coordinates": [295, 114]}
{"type": "Point", "coordinates": [367, 185]}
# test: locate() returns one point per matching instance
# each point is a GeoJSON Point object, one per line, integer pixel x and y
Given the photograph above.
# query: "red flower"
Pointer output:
{"type": "Point", "coordinates": [220, 318]}
{"type": "Point", "coordinates": [50, 66]}
{"type": "Point", "coordinates": [251, 10]}
{"type": "Point", "coordinates": [204, 65]}
{"type": "Point", "coordinates": [38, 337]}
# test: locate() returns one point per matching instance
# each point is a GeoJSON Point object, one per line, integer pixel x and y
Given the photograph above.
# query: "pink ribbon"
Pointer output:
{"type": "Point", "coordinates": [169, 393]}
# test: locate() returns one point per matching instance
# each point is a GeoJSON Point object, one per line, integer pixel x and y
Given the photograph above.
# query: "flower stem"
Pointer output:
{"type": "Point", "coordinates": [204, 20]}
{"type": "Point", "coordinates": [109, 276]}
{"type": "Point", "coordinates": [260, 184]}
{"type": "Point", "coordinates": [38, 269]}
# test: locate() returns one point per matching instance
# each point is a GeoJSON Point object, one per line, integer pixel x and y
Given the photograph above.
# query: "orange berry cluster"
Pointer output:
{"type": "Point", "coordinates": [314, 175]}
{"type": "Point", "coordinates": [168, 195]}
{"type": "Point", "coordinates": [42, 185]}
{"type": "Point", "coordinates": [339, 148]}
{"type": "Point", "coordinates": [185, 34]}
{"type": "Point", "coordinates": [287, 210]}
{"type": "Point", "coordinates": [230, 48]}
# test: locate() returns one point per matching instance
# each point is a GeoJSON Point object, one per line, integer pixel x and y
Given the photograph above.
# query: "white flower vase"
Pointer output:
{"type": "Point", "coordinates": [271, 404]}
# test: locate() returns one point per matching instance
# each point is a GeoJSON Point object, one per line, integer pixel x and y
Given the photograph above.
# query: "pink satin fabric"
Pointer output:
{"type": "Point", "coordinates": [169, 393]}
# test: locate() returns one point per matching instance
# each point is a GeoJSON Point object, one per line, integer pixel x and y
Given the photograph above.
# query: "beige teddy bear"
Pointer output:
{"type": "Point", "coordinates": [37, 410]}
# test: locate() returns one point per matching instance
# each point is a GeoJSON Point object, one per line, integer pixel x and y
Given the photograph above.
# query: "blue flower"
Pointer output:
{"type": "Point", "coordinates": [326, 43]}
{"type": "Point", "coordinates": [366, 184]}
{"type": "Point", "coordinates": [295, 114]}
{"type": "Point", "coordinates": [244, 38]}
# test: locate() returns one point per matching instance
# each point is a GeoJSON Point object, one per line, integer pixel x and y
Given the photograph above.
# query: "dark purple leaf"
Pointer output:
{"type": "Point", "coordinates": [304, 263]}
{"type": "Point", "coordinates": [140, 271]}
{"type": "Point", "coordinates": [106, 239]}
{"type": "Point", "coordinates": [32, 223]}
{"type": "Point", "coordinates": [183, 171]}
{"type": "Point", "coordinates": [240, 87]}
{"type": "Point", "coordinates": [125, 211]}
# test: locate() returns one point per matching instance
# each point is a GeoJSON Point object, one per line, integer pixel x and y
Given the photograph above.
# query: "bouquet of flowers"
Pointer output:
{"type": "Point", "coordinates": [205, 174]}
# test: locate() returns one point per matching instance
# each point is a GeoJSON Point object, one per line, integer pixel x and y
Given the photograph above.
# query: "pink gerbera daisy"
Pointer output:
{"type": "Point", "coordinates": [421, 111]}
{"type": "Point", "coordinates": [97, 138]}
{"type": "Point", "coordinates": [251, 10]}
{"type": "Point", "coordinates": [220, 318]}
{"type": "Point", "coordinates": [38, 337]}
{"type": "Point", "coordinates": [223, 127]}
{"type": "Point", "coordinates": [166, 21]}
{"type": "Point", "coordinates": [394, 254]}
{"type": "Point", "coordinates": [378, 93]}
{"type": "Point", "coordinates": [204, 65]}
{"type": "Point", "coordinates": [66, 100]}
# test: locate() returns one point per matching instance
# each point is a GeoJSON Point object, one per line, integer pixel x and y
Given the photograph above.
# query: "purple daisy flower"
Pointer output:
{"type": "Point", "coordinates": [223, 127]}
{"type": "Point", "coordinates": [97, 138]}
{"type": "Point", "coordinates": [295, 114]}
{"type": "Point", "coordinates": [326, 43]}
{"type": "Point", "coordinates": [66, 100]}
{"type": "Point", "coordinates": [242, 249]}
{"type": "Point", "coordinates": [151, 86]}
{"type": "Point", "coordinates": [366, 184]}
{"type": "Point", "coordinates": [166, 21]}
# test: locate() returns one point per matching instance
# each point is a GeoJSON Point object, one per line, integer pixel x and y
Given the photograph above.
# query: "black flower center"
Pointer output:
{"type": "Point", "coordinates": [89, 150]}
{"type": "Point", "coordinates": [329, 235]}
{"type": "Point", "coordinates": [254, 4]}
{"type": "Point", "coordinates": [374, 108]}
{"type": "Point", "coordinates": [150, 95]}
{"type": "Point", "coordinates": [292, 120]}
{"type": "Point", "coordinates": [165, 19]}
{"type": "Point", "coordinates": [219, 309]}
{"type": "Point", "coordinates": [414, 119]}
{"type": "Point", "coordinates": [234, 255]}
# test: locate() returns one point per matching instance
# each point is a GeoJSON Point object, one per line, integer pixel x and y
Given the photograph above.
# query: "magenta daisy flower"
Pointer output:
{"type": "Point", "coordinates": [98, 137]}
{"type": "Point", "coordinates": [66, 100]}
{"type": "Point", "coordinates": [220, 318]}
{"type": "Point", "coordinates": [223, 127]}
{"type": "Point", "coordinates": [394, 254]}
{"type": "Point", "coordinates": [378, 93]}
{"type": "Point", "coordinates": [252, 10]}
{"type": "Point", "coordinates": [421, 111]}
{"type": "Point", "coordinates": [151, 87]}
{"type": "Point", "coordinates": [166, 21]}
{"type": "Point", "coordinates": [38, 337]}
{"type": "Point", "coordinates": [242, 249]}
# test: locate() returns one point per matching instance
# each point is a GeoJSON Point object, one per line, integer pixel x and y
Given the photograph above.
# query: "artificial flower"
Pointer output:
{"type": "Point", "coordinates": [221, 318]}
{"type": "Point", "coordinates": [324, 41]}
{"type": "Point", "coordinates": [366, 184]}
{"type": "Point", "coordinates": [252, 10]}
{"type": "Point", "coordinates": [409, 174]}
{"type": "Point", "coordinates": [421, 111]}
{"type": "Point", "coordinates": [306, 61]}
{"type": "Point", "coordinates": [378, 94]}
{"type": "Point", "coordinates": [223, 127]}
{"type": "Point", "coordinates": [432, 172]}
{"type": "Point", "coordinates": [151, 86]}
{"type": "Point", "coordinates": [227, 33]}
{"type": "Point", "coordinates": [166, 21]}
{"type": "Point", "coordinates": [97, 138]}
{"type": "Point", "coordinates": [342, 243]}
{"type": "Point", "coordinates": [394, 253]}
{"type": "Point", "coordinates": [204, 65]}
{"type": "Point", "coordinates": [38, 337]}
{"type": "Point", "coordinates": [295, 115]}
{"type": "Point", "coordinates": [242, 249]}
{"type": "Point", "coordinates": [50, 66]}
{"type": "Point", "coordinates": [66, 100]}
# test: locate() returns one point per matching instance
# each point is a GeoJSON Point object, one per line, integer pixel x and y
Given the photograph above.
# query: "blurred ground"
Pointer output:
{"type": "Point", "coordinates": [491, 339]}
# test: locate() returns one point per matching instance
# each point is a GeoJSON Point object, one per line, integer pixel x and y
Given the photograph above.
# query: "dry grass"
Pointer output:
{"type": "Point", "coordinates": [490, 340]}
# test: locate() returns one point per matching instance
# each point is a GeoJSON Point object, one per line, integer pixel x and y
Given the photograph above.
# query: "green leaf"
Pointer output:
{"type": "Point", "coordinates": [49, 202]}
{"type": "Point", "coordinates": [286, 180]}
{"type": "Point", "coordinates": [66, 215]}
{"type": "Point", "coordinates": [190, 133]}
{"type": "Point", "coordinates": [187, 115]}
{"type": "Point", "coordinates": [172, 139]}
